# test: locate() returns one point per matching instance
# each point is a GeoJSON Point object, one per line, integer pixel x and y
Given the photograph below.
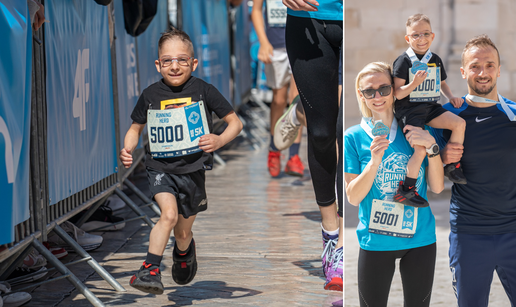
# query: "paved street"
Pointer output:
{"type": "Point", "coordinates": [258, 244]}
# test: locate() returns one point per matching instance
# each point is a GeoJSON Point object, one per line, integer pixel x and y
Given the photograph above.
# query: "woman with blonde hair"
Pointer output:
{"type": "Point", "coordinates": [376, 156]}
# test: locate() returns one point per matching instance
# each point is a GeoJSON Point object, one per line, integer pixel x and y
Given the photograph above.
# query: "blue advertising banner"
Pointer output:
{"type": "Point", "coordinates": [147, 45]}
{"type": "Point", "coordinates": [80, 116]}
{"type": "Point", "coordinates": [242, 47]}
{"type": "Point", "coordinates": [127, 72]}
{"type": "Point", "coordinates": [206, 22]}
{"type": "Point", "coordinates": [15, 93]}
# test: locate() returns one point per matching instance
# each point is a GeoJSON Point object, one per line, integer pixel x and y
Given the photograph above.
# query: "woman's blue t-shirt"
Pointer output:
{"type": "Point", "coordinates": [391, 171]}
{"type": "Point", "coordinates": [327, 10]}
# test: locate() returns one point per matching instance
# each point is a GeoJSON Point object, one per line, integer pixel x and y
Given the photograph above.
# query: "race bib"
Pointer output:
{"type": "Point", "coordinates": [428, 90]}
{"type": "Point", "coordinates": [392, 219]}
{"type": "Point", "coordinates": [276, 13]}
{"type": "Point", "coordinates": [175, 132]}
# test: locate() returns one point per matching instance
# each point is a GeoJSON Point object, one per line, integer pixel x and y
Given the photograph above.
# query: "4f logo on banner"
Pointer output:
{"type": "Point", "coordinates": [81, 88]}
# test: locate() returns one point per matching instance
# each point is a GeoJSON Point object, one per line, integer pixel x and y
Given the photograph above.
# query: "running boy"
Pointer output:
{"type": "Point", "coordinates": [419, 76]}
{"type": "Point", "coordinates": [177, 109]}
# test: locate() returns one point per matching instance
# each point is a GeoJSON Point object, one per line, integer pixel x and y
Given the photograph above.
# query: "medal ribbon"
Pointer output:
{"type": "Point", "coordinates": [501, 101]}
{"type": "Point", "coordinates": [366, 125]}
{"type": "Point", "coordinates": [413, 57]}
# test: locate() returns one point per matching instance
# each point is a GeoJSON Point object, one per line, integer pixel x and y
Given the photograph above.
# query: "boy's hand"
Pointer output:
{"type": "Point", "coordinates": [419, 77]}
{"type": "Point", "coordinates": [210, 142]}
{"type": "Point", "coordinates": [457, 102]}
{"type": "Point", "coordinates": [126, 157]}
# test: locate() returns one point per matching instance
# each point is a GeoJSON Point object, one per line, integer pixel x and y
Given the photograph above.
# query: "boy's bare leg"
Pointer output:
{"type": "Point", "coordinates": [183, 232]}
{"type": "Point", "coordinates": [452, 122]}
{"type": "Point", "coordinates": [160, 233]}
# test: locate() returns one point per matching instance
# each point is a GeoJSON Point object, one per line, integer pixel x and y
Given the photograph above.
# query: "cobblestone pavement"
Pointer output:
{"type": "Point", "coordinates": [258, 244]}
{"type": "Point", "coordinates": [442, 292]}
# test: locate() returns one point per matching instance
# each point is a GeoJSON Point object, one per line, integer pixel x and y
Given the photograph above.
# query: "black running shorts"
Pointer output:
{"type": "Point", "coordinates": [417, 114]}
{"type": "Point", "coordinates": [189, 189]}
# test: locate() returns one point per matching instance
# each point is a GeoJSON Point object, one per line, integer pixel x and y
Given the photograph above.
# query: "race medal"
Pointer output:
{"type": "Point", "coordinates": [430, 89]}
{"type": "Point", "coordinates": [393, 219]}
{"type": "Point", "coordinates": [417, 66]}
{"type": "Point", "coordinates": [380, 128]}
{"type": "Point", "coordinates": [276, 13]}
{"type": "Point", "coordinates": [176, 132]}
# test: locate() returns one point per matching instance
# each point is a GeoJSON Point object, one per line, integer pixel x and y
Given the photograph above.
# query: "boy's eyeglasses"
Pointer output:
{"type": "Point", "coordinates": [182, 61]}
{"type": "Point", "coordinates": [417, 36]}
{"type": "Point", "coordinates": [371, 92]}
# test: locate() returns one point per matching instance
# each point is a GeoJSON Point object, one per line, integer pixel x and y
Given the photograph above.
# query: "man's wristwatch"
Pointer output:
{"type": "Point", "coordinates": [433, 150]}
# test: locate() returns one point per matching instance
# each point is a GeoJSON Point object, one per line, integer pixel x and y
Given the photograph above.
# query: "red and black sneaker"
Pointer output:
{"type": "Point", "coordinates": [410, 197]}
{"type": "Point", "coordinates": [147, 279]}
{"type": "Point", "coordinates": [454, 172]}
{"type": "Point", "coordinates": [185, 265]}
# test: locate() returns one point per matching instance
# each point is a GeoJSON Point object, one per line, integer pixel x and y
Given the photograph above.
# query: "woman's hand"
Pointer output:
{"type": "Point", "coordinates": [301, 5]}
{"type": "Point", "coordinates": [418, 136]}
{"type": "Point", "coordinates": [378, 147]}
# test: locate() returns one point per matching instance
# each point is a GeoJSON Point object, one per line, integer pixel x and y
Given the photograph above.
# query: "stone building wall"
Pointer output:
{"type": "Point", "coordinates": [375, 30]}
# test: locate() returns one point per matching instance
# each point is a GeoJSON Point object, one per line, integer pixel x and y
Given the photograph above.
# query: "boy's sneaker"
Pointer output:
{"type": "Point", "coordinates": [295, 167]}
{"type": "Point", "coordinates": [454, 172]}
{"type": "Point", "coordinates": [23, 275]}
{"type": "Point", "coordinates": [57, 251]}
{"type": "Point", "coordinates": [329, 242]}
{"type": "Point", "coordinates": [410, 197]}
{"type": "Point", "coordinates": [185, 266]}
{"type": "Point", "coordinates": [274, 163]}
{"type": "Point", "coordinates": [103, 217]}
{"type": "Point", "coordinates": [10, 299]}
{"type": "Point", "coordinates": [334, 273]}
{"type": "Point", "coordinates": [87, 241]}
{"type": "Point", "coordinates": [147, 279]}
{"type": "Point", "coordinates": [285, 130]}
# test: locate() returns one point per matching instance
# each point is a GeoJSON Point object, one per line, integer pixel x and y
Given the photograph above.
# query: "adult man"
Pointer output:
{"type": "Point", "coordinates": [483, 211]}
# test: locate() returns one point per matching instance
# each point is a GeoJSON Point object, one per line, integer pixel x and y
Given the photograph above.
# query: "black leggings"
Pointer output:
{"type": "Point", "coordinates": [376, 269]}
{"type": "Point", "coordinates": [313, 48]}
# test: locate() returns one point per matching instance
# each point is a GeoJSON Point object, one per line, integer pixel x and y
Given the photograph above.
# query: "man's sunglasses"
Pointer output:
{"type": "Point", "coordinates": [371, 92]}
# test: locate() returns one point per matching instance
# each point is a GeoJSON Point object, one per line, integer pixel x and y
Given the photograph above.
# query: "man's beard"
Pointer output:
{"type": "Point", "coordinates": [480, 91]}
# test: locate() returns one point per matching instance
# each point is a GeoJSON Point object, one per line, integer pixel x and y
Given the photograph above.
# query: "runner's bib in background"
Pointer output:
{"type": "Point", "coordinates": [276, 13]}
{"type": "Point", "coordinates": [176, 132]}
{"type": "Point", "coordinates": [392, 219]}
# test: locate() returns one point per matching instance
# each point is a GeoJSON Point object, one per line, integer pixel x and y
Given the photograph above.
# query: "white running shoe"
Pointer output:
{"type": "Point", "coordinates": [9, 299]}
{"type": "Point", "coordinates": [114, 202]}
{"type": "Point", "coordinates": [285, 130]}
{"type": "Point", "coordinates": [87, 241]}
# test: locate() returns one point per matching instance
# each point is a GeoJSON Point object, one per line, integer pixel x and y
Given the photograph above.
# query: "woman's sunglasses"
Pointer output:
{"type": "Point", "coordinates": [371, 92]}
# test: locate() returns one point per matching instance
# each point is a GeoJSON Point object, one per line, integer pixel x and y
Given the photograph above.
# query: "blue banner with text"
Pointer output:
{"type": "Point", "coordinates": [15, 96]}
{"type": "Point", "coordinates": [80, 116]}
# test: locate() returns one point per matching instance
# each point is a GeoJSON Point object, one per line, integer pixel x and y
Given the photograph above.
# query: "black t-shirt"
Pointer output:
{"type": "Point", "coordinates": [401, 69]}
{"type": "Point", "coordinates": [152, 98]}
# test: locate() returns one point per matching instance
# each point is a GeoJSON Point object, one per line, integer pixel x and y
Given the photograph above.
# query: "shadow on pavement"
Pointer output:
{"type": "Point", "coordinates": [206, 290]}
